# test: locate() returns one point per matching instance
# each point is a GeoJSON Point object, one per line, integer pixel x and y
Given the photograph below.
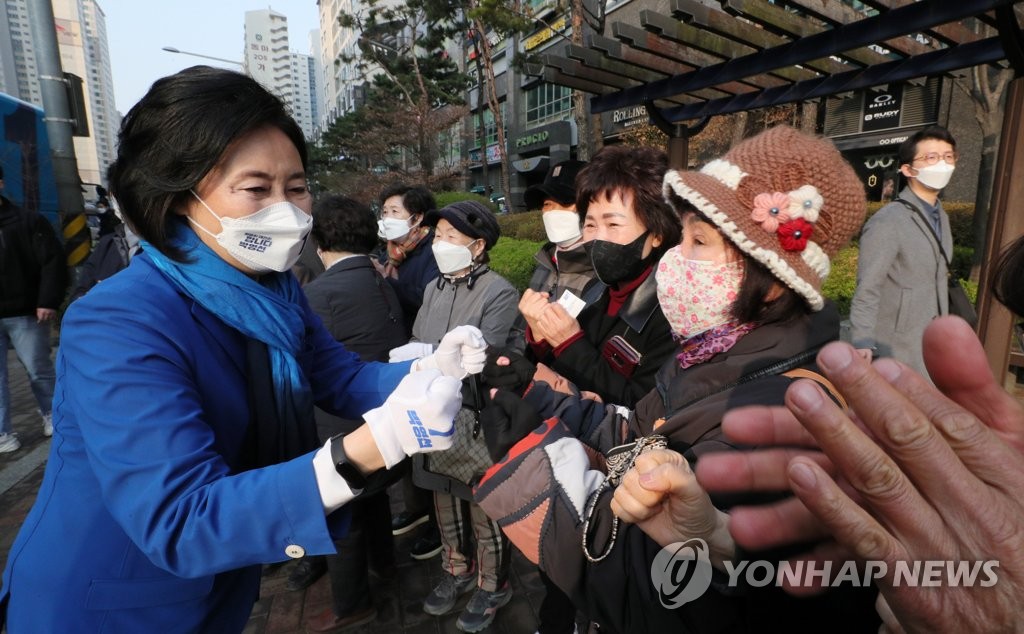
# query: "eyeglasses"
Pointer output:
{"type": "Point", "coordinates": [932, 158]}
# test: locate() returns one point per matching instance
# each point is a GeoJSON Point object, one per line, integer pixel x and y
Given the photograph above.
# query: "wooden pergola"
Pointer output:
{"type": "Point", "coordinates": [699, 61]}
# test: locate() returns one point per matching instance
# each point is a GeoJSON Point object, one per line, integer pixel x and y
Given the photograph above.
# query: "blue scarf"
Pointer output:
{"type": "Point", "coordinates": [267, 311]}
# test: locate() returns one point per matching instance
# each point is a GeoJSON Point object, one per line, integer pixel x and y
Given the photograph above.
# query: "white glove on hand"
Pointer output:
{"type": "Point", "coordinates": [417, 417]}
{"type": "Point", "coordinates": [461, 352]}
{"type": "Point", "coordinates": [411, 350]}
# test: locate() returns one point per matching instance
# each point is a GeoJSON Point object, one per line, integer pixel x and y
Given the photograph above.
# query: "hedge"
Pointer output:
{"type": "Point", "coordinates": [523, 226]}
{"type": "Point", "coordinates": [446, 198]}
{"type": "Point", "coordinates": [513, 259]}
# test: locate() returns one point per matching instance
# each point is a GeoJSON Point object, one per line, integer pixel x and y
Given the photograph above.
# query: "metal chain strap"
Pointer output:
{"type": "Point", "coordinates": [620, 460]}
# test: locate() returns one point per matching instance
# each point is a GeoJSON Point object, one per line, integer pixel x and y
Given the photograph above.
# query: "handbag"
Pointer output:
{"type": "Point", "coordinates": [456, 469]}
{"type": "Point", "coordinates": [959, 304]}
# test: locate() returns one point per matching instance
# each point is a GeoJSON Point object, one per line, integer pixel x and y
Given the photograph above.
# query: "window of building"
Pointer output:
{"type": "Point", "coordinates": [490, 127]}
{"type": "Point", "coordinates": [547, 102]}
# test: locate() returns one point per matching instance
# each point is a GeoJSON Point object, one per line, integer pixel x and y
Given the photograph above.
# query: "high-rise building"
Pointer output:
{"type": "Point", "coordinates": [18, 74]}
{"type": "Point", "coordinates": [269, 61]}
{"type": "Point", "coordinates": [82, 39]}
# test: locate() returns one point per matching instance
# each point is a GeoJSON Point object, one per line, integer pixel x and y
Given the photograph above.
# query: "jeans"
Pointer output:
{"type": "Point", "coordinates": [31, 342]}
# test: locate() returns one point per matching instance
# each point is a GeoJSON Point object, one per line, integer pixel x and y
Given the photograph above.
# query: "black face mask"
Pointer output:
{"type": "Point", "coordinates": [616, 263]}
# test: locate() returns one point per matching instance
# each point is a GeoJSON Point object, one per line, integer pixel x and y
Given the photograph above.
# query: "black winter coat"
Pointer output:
{"type": "Point", "coordinates": [33, 272]}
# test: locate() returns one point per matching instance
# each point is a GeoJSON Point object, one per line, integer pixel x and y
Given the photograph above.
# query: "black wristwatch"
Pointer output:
{"type": "Point", "coordinates": [356, 480]}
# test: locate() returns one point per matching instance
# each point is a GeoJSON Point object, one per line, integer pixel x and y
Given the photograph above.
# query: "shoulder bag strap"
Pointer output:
{"type": "Point", "coordinates": [804, 373]}
{"type": "Point", "coordinates": [909, 205]}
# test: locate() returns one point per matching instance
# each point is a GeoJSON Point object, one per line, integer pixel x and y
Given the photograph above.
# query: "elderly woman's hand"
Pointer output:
{"type": "Point", "coordinates": [556, 325]}
{"type": "Point", "coordinates": [532, 305]}
{"type": "Point", "coordinates": [935, 472]}
{"type": "Point", "coordinates": [662, 497]}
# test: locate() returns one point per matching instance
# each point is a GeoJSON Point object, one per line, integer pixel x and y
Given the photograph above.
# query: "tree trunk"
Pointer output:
{"type": "Point", "coordinates": [580, 111]}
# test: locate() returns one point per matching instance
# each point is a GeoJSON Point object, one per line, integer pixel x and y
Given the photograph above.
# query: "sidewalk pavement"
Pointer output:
{"type": "Point", "coordinates": [278, 611]}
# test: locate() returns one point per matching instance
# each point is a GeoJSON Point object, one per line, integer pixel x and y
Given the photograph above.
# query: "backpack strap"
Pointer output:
{"type": "Point", "coordinates": [804, 373]}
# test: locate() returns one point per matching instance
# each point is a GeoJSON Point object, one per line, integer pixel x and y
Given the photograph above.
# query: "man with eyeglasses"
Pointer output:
{"type": "Point", "coordinates": [901, 270]}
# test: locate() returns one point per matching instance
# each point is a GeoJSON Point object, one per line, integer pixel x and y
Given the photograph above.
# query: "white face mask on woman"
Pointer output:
{"type": "Point", "coordinates": [269, 240]}
{"type": "Point", "coordinates": [393, 228]}
{"type": "Point", "coordinates": [562, 226]}
{"type": "Point", "coordinates": [451, 258]}
{"type": "Point", "coordinates": [696, 295]}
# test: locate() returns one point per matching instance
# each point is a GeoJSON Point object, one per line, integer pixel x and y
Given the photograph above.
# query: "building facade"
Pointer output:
{"type": "Point", "coordinates": [82, 39]}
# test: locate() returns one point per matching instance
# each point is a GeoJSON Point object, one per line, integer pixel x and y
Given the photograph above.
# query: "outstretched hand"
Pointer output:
{"type": "Point", "coordinates": [506, 420]}
{"type": "Point", "coordinates": [934, 473]}
{"type": "Point", "coordinates": [506, 369]}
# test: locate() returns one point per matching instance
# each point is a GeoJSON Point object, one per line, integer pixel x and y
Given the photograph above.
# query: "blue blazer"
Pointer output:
{"type": "Point", "coordinates": [144, 522]}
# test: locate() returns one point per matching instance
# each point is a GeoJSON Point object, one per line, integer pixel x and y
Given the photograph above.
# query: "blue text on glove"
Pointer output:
{"type": "Point", "coordinates": [422, 433]}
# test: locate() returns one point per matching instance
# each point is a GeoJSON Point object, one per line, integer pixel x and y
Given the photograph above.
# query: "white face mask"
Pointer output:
{"type": "Point", "coordinates": [562, 226]}
{"type": "Point", "coordinates": [935, 176]}
{"type": "Point", "coordinates": [393, 228]}
{"type": "Point", "coordinates": [269, 240]}
{"type": "Point", "coordinates": [451, 258]}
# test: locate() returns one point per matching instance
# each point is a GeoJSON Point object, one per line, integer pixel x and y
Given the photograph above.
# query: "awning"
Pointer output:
{"type": "Point", "coordinates": [532, 164]}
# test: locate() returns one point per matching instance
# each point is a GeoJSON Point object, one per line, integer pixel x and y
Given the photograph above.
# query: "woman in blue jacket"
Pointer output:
{"type": "Point", "coordinates": [184, 453]}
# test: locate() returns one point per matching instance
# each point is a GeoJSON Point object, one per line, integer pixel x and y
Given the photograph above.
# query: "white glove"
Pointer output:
{"type": "Point", "coordinates": [411, 350]}
{"type": "Point", "coordinates": [417, 417]}
{"type": "Point", "coordinates": [461, 352]}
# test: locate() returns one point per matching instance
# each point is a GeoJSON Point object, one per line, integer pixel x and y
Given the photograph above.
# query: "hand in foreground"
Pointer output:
{"type": "Point", "coordinates": [506, 420]}
{"type": "Point", "coordinates": [939, 480]}
{"type": "Point", "coordinates": [45, 314]}
{"type": "Point", "coordinates": [417, 417]}
{"type": "Point", "coordinates": [461, 352]}
{"type": "Point", "coordinates": [508, 370]}
{"type": "Point", "coordinates": [662, 497]}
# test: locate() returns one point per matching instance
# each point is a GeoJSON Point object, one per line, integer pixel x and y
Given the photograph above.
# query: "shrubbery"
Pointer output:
{"type": "Point", "coordinates": [513, 259]}
{"type": "Point", "coordinates": [524, 226]}
{"type": "Point", "coordinates": [446, 198]}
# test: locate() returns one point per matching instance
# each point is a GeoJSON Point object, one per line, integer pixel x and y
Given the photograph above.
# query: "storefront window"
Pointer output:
{"type": "Point", "coordinates": [547, 102]}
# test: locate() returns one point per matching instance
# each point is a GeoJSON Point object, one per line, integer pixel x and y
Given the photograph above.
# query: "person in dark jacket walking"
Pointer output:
{"type": "Point", "coordinates": [112, 253]}
{"type": "Point", "coordinates": [33, 278]}
{"type": "Point", "coordinates": [360, 310]}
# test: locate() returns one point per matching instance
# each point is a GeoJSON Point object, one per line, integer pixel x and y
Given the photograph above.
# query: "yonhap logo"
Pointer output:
{"type": "Point", "coordinates": [681, 572]}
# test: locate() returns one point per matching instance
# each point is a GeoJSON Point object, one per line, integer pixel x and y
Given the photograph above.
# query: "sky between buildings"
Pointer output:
{"type": "Point", "coordinates": [137, 31]}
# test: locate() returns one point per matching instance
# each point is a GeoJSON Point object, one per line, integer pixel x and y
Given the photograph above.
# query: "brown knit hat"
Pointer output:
{"type": "Point", "coordinates": [787, 199]}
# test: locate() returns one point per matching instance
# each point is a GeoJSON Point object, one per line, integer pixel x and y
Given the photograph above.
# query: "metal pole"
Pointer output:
{"type": "Point", "coordinates": [59, 128]}
{"type": "Point", "coordinates": [171, 49]}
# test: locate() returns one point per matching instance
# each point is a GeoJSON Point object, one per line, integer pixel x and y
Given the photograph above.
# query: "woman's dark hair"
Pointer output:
{"type": "Point", "coordinates": [1008, 282]}
{"type": "Point", "coordinates": [908, 149]}
{"type": "Point", "coordinates": [750, 306]}
{"type": "Point", "coordinates": [415, 199]}
{"type": "Point", "coordinates": [639, 171]}
{"type": "Point", "coordinates": [176, 135]}
{"type": "Point", "coordinates": [341, 223]}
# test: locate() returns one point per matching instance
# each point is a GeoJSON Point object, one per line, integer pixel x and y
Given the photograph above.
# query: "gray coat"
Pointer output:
{"type": "Point", "coordinates": [491, 305]}
{"type": "Point", "coordinates": [901, 281]}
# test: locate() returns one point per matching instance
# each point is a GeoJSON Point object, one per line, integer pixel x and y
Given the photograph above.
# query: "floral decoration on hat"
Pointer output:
{"type": "Point", "coordinates": [793, 235]}
{"type": "Point", "coordinates": [805, 202]}
{"type": "Point", "coordinates": [771, 210]}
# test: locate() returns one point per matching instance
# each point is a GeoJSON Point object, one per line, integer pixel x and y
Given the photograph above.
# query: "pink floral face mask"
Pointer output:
{"type": "Point", "coordinates": [695, 295]}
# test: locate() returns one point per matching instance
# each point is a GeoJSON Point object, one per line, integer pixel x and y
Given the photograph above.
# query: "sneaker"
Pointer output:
{"type": "Point", "coordinates": [482, 608]}
{"type": "Point", "coordinates": [48, 424]}
{"type": "Point", "coordinates": [443, 598]}
{"type": "Point", "coordinates": [9, 442]}
{"type": "Point", "coordinates": [405, 522]}
{"type": "Point", "coordinates": [427, 545]}
{"type": "Point", "coordinates": [306, 572]}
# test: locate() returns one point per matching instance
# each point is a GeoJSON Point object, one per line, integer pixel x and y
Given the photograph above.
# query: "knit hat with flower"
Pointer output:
{"type": "Point", "coordinates": [787, 199]}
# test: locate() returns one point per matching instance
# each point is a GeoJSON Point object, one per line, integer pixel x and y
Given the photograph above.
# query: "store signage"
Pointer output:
{"type": "Point", "coordinates": [544, 34]}
{"type": "Point", "coordinates": [882, 109]}
{"type": "Point", "coordinates": [531, 139]}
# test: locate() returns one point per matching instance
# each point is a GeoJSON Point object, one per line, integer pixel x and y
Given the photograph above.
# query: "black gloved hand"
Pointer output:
{"type": "Point", "coordinates": [514, 377]}
{"type": "Point", "coordinates": [506, 420]}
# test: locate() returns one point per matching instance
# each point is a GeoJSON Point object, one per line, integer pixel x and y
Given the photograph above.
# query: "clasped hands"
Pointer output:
{"type": "Point", "coordinates": [460, 353]}
{"type": "Point", "coordinates": [548, 321]}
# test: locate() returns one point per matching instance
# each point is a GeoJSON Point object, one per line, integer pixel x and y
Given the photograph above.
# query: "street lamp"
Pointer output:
{"type": "Point", "coordinates": [171, 49]}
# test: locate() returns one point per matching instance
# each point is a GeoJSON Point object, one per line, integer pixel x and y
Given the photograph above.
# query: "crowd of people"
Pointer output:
{"type": "Point", "coordinates": [666, 408]}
